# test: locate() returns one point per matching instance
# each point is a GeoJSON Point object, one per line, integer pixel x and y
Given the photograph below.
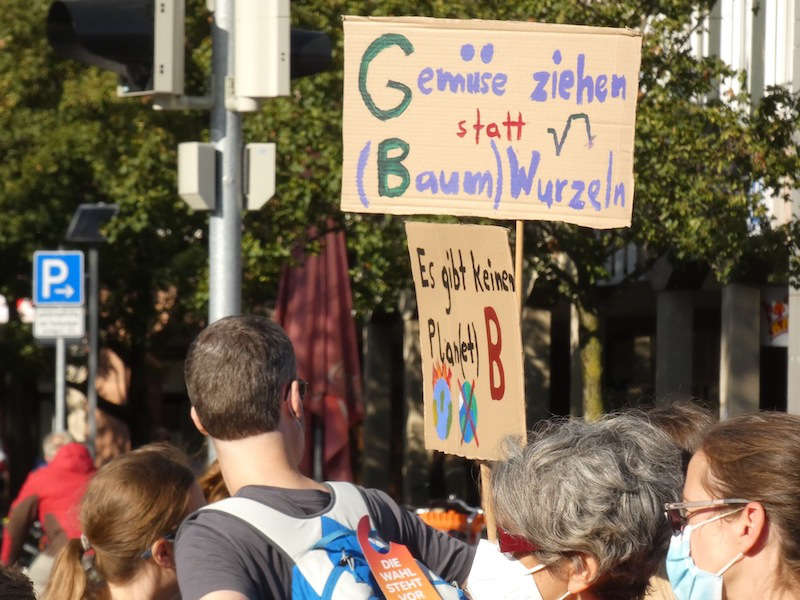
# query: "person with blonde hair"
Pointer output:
{"type": "Point", "coordinates": [129, 515]}
{"type": "Point", "coordinates": [737, 530]}
{"type": "Point", "coordinates": [53, 442]}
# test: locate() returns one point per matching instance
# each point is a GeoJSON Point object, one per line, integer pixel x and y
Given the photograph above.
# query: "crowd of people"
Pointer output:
{"type": "Point", "coordinates": [659, 504]}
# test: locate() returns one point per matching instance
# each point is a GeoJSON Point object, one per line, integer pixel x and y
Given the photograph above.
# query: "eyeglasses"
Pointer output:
{"type": "Point", "coordinates": [170, 537]}
{"type": "Point", "coordinates": [514, 543]}
{"type": "Point", "coordinates": [678, 512]}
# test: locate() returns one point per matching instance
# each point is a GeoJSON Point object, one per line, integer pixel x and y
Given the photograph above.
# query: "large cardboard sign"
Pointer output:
{"type": "Point", "coordinates": [470, 341]}
{"type": "Point", "coordinates": [489, 118]}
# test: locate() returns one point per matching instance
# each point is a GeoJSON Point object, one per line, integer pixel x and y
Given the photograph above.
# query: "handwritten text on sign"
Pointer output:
{"type": "Point", "coordinates": [469, 337]}
{"type": "Point", "coordinates": [486, 118]}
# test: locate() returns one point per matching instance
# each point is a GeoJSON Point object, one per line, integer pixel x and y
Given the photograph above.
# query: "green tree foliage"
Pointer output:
{"type": "Point", "coordinates": [703, 162]}
{"type": "Point", "coordinates": [65, 138]}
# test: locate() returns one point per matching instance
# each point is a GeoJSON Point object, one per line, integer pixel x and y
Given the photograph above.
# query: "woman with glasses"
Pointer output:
{"type": "Point", "coordinates": [128, 516]}
{"type": "Point", "coordinates": [575, 506]}
{"type": "Point", "coordinates": [737, 531]}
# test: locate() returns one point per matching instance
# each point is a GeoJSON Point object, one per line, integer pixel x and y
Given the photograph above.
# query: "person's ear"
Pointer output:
{"type": "Point", "coordinates": [751, 528]}
{"type": "Point", "coordinates": [296, 402]}
{"type": "Point", "coordinates": [196, 420]}
{"type": "Point", "coordinates": [582, 572]}
{"type": "Point", "coordinates": [163, 553]}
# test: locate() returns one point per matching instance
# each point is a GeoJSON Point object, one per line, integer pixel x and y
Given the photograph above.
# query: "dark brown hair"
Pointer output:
{"type": "Point", "coordinates": [132, 501]}
{"type": "Point", "coordinates": [235, 370]}
{"type": "Point", "coordinates": [685, 422]}
{"type": "Point", "coordinates": [14, 585]}
{"type": "Point", "coordinates": [756, 457]}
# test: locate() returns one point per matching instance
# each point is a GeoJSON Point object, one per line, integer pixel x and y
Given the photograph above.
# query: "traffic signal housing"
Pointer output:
{"type": "Point", "coordinates": [311, 52]}
{"type": "Point", "coordinates": [140, 40]}
{"type": "Point", "coordinates": [269, 53]}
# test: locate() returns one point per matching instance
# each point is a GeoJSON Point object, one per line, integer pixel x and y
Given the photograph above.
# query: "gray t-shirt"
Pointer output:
{"type": "Point", "coordinates": [217, 551]}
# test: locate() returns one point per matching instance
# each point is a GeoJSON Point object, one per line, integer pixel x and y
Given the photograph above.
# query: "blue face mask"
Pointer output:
{"type": "Point", "coordinates": [688, 581]}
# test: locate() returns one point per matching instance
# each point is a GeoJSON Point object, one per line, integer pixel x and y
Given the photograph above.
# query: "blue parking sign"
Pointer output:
{"type": "Point", "coordinates": [58, 278]}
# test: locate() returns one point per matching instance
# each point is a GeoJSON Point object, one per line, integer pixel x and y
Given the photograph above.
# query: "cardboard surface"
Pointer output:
{"type": "Point", "coordinates": [470, 340]}
{"type": "Point", "coordinates": [489, 118]}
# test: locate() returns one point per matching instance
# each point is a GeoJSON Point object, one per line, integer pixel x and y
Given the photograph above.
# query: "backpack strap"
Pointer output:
{"type": "Point", "coordinates": [293, 535]}
{"type": "Point", "coordinates": [296, 535]}
{"type": "Point", "coordinates": [348, 504]}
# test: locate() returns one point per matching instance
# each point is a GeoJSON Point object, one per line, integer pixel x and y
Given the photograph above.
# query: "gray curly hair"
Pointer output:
{"type": "Point", "coordinates": [597, 488]}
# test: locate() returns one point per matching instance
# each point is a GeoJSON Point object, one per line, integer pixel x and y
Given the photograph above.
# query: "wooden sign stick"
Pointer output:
{"type": "Point", "coordinates": [518, 248]}
{"type": "Point", "coordinates": [486, 471]}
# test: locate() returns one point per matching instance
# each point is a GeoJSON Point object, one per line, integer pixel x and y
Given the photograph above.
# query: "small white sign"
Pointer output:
{"type": "Point", "coordinates": [56, 322]}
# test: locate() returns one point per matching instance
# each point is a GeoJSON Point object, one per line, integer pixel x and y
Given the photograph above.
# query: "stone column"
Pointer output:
{"type": "Point", "coordinates": [793, 351]}
{"type": "Point", "coordinates": [377, 406]}
{"type": "Point", "coordinates": [536, 338]}
{"type": "Point", "coordinates": [739, 361]}
{"type": "Point", "coordinates": [674, 339]}
{"type": "Point", "coordinates": [416, 460]}
{"type": "Point", "coordinates": [575, 368]}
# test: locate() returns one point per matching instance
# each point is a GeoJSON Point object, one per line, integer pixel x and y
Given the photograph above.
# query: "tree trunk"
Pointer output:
{"type": "Point", "coordinates": [591, 354]}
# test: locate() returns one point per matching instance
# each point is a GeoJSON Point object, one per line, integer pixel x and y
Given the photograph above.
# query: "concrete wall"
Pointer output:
{"type": "Point", "coordinates": [674, 332]}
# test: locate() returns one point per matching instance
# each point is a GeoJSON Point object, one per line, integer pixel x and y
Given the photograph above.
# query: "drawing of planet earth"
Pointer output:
{"type": "Point", "coordinates": [466, 396]}
{"type": "Point", "coordinates": [442, 408]}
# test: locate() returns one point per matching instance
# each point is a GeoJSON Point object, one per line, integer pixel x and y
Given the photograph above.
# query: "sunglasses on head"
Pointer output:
{"type": "Point", "coordinates": [678, 513]}
{"type": "Point", "coordinates": [514, 543]}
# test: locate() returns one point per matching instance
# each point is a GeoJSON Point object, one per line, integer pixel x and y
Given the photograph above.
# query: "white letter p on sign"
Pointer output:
{"type": "Point", "coordinates": [54, 271]}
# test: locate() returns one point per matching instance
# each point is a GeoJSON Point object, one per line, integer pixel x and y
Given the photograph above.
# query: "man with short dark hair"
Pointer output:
{"type": "Point", "coordinates": [245, 395]}
{"type": "Point", "coordinates": [14, 585]}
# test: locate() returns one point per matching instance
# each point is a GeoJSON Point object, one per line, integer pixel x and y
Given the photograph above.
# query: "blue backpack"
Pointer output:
{"type": "Point", "coordinates": [328, 561]}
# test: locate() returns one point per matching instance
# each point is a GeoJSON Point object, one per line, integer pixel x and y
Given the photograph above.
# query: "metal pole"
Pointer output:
{"type": "Point", "coordinates": [91, 391]}
{"type": "Point", "coordinates": [793, 351]}
{"type": "Point", "coordinates": [225, 222]}
{"type": "Point", "coordinates": [58, 420]}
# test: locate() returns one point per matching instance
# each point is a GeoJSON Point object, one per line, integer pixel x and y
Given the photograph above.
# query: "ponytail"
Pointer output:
{"type": "Point", "coordinates": [68, 579]}
{"type": "Point", "coordinates": [130, 503]}
{"type": "Point", "coordinates": [71, 579]}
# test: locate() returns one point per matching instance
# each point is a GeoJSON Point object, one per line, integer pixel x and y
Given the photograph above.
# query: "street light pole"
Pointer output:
{"type": "Point", "coordinates": [59, 421]}
{"type": "Point", "coordinates": [91, 392]}
{"type": "Point", "coordinates": [85, 228]}
{"type": "Point", "coordinates": [225, 221]}
{"type": "Point", "coordinates": [793, 351]}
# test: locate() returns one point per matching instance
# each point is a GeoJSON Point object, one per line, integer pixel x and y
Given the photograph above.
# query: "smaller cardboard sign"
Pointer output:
{"type": "Point", "coordinates": [396, 571]}
{"type": "Point", "coordinates": [470, 339]}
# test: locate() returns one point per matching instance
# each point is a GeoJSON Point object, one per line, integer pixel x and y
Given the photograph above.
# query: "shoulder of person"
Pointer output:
{"type": "Point", "coordinates": [224, 595]}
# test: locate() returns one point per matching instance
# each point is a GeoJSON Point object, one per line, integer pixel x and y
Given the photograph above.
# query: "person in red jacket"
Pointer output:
{"type": "Point", "coordinates": [52, 494]}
